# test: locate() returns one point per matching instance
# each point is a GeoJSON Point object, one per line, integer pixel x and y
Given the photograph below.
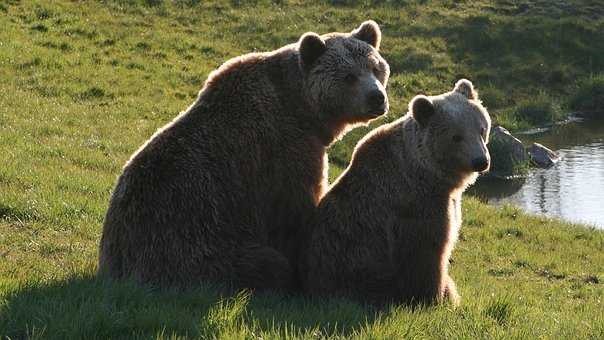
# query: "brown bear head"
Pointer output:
{"type": "Point", "coordinates": [454, 130]}
{"type": "Point", "coordinates": [344, 75]}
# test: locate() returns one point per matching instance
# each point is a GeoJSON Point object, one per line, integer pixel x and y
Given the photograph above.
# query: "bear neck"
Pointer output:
{"type": "Point", "coordinates": [331, 131]}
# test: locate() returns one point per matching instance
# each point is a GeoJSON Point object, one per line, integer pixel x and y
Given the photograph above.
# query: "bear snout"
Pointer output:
{"type": "Point", "coordinates": [377, 102]}
{"type": "Point", "coordinates": [480, 164]}
{"type": "Point", "coordinates": [377, 99]}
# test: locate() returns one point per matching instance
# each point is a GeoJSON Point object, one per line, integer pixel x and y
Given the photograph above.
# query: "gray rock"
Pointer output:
{"type": "Point", "coordinates": [508, 155]}
{"type": "Point", "coordinates": [541, 156]}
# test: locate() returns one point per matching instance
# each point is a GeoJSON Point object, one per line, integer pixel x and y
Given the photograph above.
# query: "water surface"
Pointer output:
{"type": "Point", "coordinates": [573, 189]}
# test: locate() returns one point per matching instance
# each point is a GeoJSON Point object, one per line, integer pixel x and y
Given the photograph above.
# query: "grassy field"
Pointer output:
{"type": "Point", "coordinates": [83, 84]}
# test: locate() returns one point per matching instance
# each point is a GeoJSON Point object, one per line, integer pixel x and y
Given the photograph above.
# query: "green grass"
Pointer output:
{"type": "Point", "coordinates": [540, 109]}
{"type": "Point", "coordinates": [519, 276]}
{"type": "Point", "coordinates": [589, 96]}
{"type": "Point", "coordinates": [84, 84]}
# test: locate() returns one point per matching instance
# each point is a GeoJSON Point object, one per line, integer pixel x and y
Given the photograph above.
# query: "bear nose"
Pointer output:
{"type": "Point", "coordinates": [480, 164]}
{"type": "Point", "coordinates": [377, 99]}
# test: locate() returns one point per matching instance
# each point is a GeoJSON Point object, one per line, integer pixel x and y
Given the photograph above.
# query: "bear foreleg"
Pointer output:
{"type": "Point", "coordinates": [450, 292]}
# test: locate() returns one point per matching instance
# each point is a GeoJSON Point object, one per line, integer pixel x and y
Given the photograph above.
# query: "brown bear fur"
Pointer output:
{"type": "Point", "coordinates": [221, 193]}
{"type": "Point", "coordinates": [386, 228]}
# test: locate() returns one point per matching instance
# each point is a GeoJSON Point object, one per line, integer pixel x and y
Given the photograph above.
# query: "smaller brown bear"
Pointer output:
{"type": "Point", "coordinates": [385, 230]}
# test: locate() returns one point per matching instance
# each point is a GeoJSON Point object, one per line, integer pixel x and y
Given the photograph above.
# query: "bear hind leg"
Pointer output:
{"type": "Point", "coordinates": [263, 268]}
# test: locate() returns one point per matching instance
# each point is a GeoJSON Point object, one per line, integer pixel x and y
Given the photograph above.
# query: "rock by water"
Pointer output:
{"type": "Point", "coordinates": [541, 156]}
{"type": "Point", "coordinates": [508, 155]}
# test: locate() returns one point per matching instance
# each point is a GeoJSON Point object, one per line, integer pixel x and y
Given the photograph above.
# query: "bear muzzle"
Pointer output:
{"type": "Point", "coordinates": [480, 164]}
{"type": "Point", "coordinates": [378, 103]}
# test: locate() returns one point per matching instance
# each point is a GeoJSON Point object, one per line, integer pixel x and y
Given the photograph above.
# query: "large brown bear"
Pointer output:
{"type": "Point", "coordinates": [385, 230]}
{"type": "Point", "coordinates": [221, 193]}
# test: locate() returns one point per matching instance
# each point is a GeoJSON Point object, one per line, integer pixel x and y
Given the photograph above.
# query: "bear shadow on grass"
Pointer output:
{"type": "Point", "coordinates": [86, 306]}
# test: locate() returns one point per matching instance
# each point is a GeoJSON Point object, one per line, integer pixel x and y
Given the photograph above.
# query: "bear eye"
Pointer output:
{"type": "Point", "coordinates": [350, 78]}
{"type": "Point", "coordinates": [457, 138]}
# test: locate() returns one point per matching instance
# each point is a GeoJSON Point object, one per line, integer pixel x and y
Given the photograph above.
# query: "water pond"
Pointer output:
{"type": "Point", "coordinates": [573, 189]}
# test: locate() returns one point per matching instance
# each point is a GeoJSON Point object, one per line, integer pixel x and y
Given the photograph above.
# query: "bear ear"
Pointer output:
{"type": "Point", "coordinates": [311, 48]}
{"type": "Point", "coordinates": [466, 88]}
{"type": "Point", "coordinates": [369, 32]}
{"type": "Point", "coordinates": [422, 109]}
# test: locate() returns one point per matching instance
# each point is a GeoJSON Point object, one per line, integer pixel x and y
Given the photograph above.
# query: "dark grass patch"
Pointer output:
{"type": "Point", "coordinates": [4, 178]}
{"type": "Point", "coordinates": [92, 93]}
{"type": "Point", "coordinates": [591, 279]}
{"type": "Point", "coordinates": [180, 95]}
{"type": "Point", "coordinates": [45, 91]}
{"type": "Point", "coordinates": [549, 274]}
{"type": "Point", "coordinates": [538, 110]}
{"type": "Point", "coordinates": [500, 272]}
{"type": "Point", "coordinates": [192, 79]}
{"type": "Point", "coordinates": [107, 42]}
{"type": "Point", "coordinates": [510, 211]}
{"type": "Point", "coordinates": [81, 32]}
{"type": "Point", "coordinates": [43, 13]}
{"type": "Point", "coordinates": [65, 47]}
{"type": "Point", "coordinates": [135, 66]}
{"type": "Point", "coordinates": [187, 3]}
{"type": "Point", "coordinates": [14, 213]}
{"type": "Point", "coordinates": [583, 236]}
{"type": "Point", "coordinates": [159, 55]}
{"type": "Point", "coordinates": [49, 131]}
{"type": "Point", "coordinates": [207, 50]}
{"type": "Point", "coordinates": [500, 310]}
{"type": "Point", "coordinates": [40, 28]}
{"type": "Point", "coordinates": [589, 96]}
{"type": "Point", "coordinates": [243, 3]}
{"type": "Point", "coordinates": [153, 3]}
{"type": "Point", "coordinates": [36, 61]}
{"type": "Point", "coordinates": [410, 60]}
{"type": "Point", "coordinates": [473, 222]}
{"type": "Point", "coordinates": [581, 281]}
{"type": "Point", "coordinates": [142, 46]}
{"type": "Point", "coordinates": [559, 75]}
{"type": "Point", "coordinates": [510, 231]}
{"type": "Point", "coordinates": [493, 97]}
